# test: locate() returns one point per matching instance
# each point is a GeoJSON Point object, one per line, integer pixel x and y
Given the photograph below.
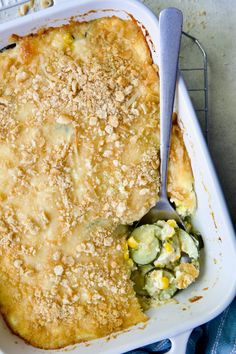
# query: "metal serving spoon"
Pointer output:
{"type": "Point", "coordinates": [170, 25]}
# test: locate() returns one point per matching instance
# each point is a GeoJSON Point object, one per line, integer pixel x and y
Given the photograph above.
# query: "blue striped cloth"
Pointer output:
{"type": "Point", "coordinates": [215, 337]}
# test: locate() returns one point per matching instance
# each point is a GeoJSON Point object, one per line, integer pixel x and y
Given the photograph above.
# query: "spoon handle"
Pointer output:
{"type": "Point", "coordinates": [170, 29]}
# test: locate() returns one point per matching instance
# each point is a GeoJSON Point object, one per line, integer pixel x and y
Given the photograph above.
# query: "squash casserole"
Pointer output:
{"type": "Point", "coordinates": [79, 161]}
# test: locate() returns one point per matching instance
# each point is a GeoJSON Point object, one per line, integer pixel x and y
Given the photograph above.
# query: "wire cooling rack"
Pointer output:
{"type": "Point", "coordinates": [195, 72]}
{"type": "Point", "coordinates": [200, 86]}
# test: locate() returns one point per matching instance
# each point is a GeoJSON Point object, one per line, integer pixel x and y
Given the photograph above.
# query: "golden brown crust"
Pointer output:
{"type": "Point", "coordinates": [180, 178]}
{"type": "Point", "coordinates": [188, 274]}
{"type": "Point", "coordinates": [79, 149]}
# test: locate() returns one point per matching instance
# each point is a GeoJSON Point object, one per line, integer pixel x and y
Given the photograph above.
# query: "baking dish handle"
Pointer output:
{"type": "Point", "coordinates": [179, 343]}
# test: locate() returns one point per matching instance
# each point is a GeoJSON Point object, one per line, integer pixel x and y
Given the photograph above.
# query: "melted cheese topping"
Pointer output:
{"type": "Point", "coordinates": [79, 155]}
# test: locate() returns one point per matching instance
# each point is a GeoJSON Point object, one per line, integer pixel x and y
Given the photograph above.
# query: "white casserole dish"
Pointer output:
{"type": "Point", "coordinates": [211, 218]}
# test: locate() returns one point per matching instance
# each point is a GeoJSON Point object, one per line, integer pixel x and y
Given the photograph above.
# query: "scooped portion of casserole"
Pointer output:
{"type": "Point", "coordinates": [79, 157]}
{"type": "Point", "coordinates": [165, 259]}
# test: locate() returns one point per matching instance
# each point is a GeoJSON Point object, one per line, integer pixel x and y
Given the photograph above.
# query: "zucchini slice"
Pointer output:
{"type": "Point", "coordinates": [148, 245]}
{"type": "Point", "coordinates": [187, 244]}
{"type": "Point", "coordinates": [160, 284]}
{"type": "Point", "coordinates": [146, 268]}
{"type": "Point", "coordinates": [138, 277]}
{"type": "Point", "coordinates": [197, 238]}
{"type": "Point", "coordinates": [139, 283]}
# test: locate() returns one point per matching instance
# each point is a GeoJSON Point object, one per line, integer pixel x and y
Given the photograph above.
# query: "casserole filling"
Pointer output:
{"type": "Point", "coordinates": [165, 260]}
{"type": "Point", "coordinates": [79, 157]}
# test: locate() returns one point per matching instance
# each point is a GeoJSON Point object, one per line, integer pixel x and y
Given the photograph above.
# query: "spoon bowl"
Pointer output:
{"type": "Point", "coordinates": [163, 210]}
